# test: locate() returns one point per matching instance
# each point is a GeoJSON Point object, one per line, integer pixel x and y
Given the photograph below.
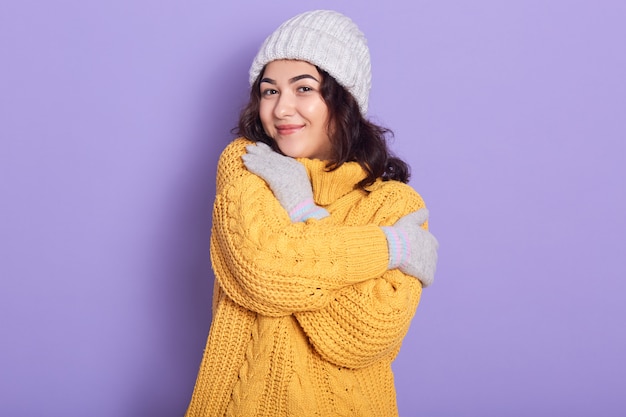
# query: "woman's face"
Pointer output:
{"type": "Point", "coordinates": [292, 110]}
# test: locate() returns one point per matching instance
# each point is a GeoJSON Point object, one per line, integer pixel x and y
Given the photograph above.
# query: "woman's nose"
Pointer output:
{"type": "Point", "coordinates": [285, 105]}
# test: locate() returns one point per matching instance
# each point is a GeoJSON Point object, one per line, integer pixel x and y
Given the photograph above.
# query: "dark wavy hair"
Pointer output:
{"type": "Point", "coordinates": [353, 138]}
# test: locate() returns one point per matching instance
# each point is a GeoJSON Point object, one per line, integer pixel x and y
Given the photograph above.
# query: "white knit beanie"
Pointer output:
{"type": "Point", "coordinates": [328, 40]}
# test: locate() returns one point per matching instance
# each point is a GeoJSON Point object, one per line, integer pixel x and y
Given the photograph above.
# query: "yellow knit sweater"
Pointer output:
{"type": "Point", "coordinates": [306, 317]}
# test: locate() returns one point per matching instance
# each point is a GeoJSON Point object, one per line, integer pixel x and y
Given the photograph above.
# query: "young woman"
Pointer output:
{"type": "Point", "coordinates": [319, 247]}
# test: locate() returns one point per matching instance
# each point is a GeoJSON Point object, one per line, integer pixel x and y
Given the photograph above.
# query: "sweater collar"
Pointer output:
{"type": "Point", "coordinates": [329, 186]}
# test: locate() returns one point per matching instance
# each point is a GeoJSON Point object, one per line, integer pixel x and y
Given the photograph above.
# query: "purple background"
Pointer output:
{"type": "Point", "coordinates": [512, 114]}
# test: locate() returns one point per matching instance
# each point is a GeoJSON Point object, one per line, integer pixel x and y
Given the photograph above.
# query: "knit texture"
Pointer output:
{"type": "Point", "coordinates": [307, 209]}
{"type": "Point", "coordinates": [420, 257]}
{"type": "Point", "coordinates": [399, 246]}
{"type": "Point", "coordinates": [306, 317]}
{"type": "Point", "coordinates": [327, 39]}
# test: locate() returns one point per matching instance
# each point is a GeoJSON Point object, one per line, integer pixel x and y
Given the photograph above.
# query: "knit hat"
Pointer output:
{"type": "Point", "coordinates": [328, 40]}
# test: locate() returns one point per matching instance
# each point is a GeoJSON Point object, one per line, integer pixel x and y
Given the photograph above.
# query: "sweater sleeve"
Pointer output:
{"type": "Point", "coordinates": [368, 320]}
{"type": "Point", "coordinates": [364, 322]}
{"type": "Point", "coordinates": [272, 266]}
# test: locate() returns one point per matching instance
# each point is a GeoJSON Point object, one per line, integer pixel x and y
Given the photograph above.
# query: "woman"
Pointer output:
{"type": "Point", "coordinates": [319, 246]}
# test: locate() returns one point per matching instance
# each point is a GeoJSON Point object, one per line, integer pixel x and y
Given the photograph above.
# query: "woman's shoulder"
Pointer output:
{"type": "Point", "coordinates": [381, 186]}
{"type": "Point", "coordinates": [235, 148]}
{"type": "Point", "coordinates": [397, 194]}
{"type": "Point", "coordinates": [230, 164]}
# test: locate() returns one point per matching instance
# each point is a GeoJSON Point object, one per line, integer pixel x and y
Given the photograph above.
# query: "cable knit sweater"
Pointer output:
{"type": "Point", "coordinates": [306, 317]}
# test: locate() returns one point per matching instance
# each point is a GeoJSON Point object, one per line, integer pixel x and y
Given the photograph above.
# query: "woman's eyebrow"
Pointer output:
{"type": "Point", "coordinates": [300, 77]}
{"type": "Point", "coordinates": [291, 80]}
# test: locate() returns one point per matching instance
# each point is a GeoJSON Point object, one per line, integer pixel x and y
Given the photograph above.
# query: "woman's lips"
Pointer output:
{"type": "Point", "coordinates": [288, 129]}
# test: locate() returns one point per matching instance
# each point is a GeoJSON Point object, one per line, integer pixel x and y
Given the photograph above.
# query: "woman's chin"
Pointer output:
{"type": "Point", "coordinates": [292, 151]}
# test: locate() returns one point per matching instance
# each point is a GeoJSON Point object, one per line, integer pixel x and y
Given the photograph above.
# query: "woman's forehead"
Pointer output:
{"type": "Point", "coordinates": [290, 67]}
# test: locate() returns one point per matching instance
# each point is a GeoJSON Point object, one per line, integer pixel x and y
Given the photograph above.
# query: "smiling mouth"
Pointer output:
{"type": "Point", "coordinates": [288, 129]}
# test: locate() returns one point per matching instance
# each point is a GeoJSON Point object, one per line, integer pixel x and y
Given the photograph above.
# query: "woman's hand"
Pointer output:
{"type": "Point", "coordinates": [411, 248]}
{"type": "Point", "coordinates": [288, 180]}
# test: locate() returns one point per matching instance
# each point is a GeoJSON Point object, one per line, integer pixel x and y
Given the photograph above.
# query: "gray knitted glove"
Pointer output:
{"type": "Point", "coordinates": [287, 179]}
{"type": "Point", "coordinates": [412, 249]}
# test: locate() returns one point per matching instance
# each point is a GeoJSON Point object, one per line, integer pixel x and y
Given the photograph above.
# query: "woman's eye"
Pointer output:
{"type": "Point", "coordinates": [269, 92]}
{"type": "Point", "coordinates": [304, 89]}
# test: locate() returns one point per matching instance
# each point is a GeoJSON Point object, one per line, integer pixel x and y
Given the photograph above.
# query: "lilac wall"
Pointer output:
{"type": "Point", "coordinates": [512, 114]}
